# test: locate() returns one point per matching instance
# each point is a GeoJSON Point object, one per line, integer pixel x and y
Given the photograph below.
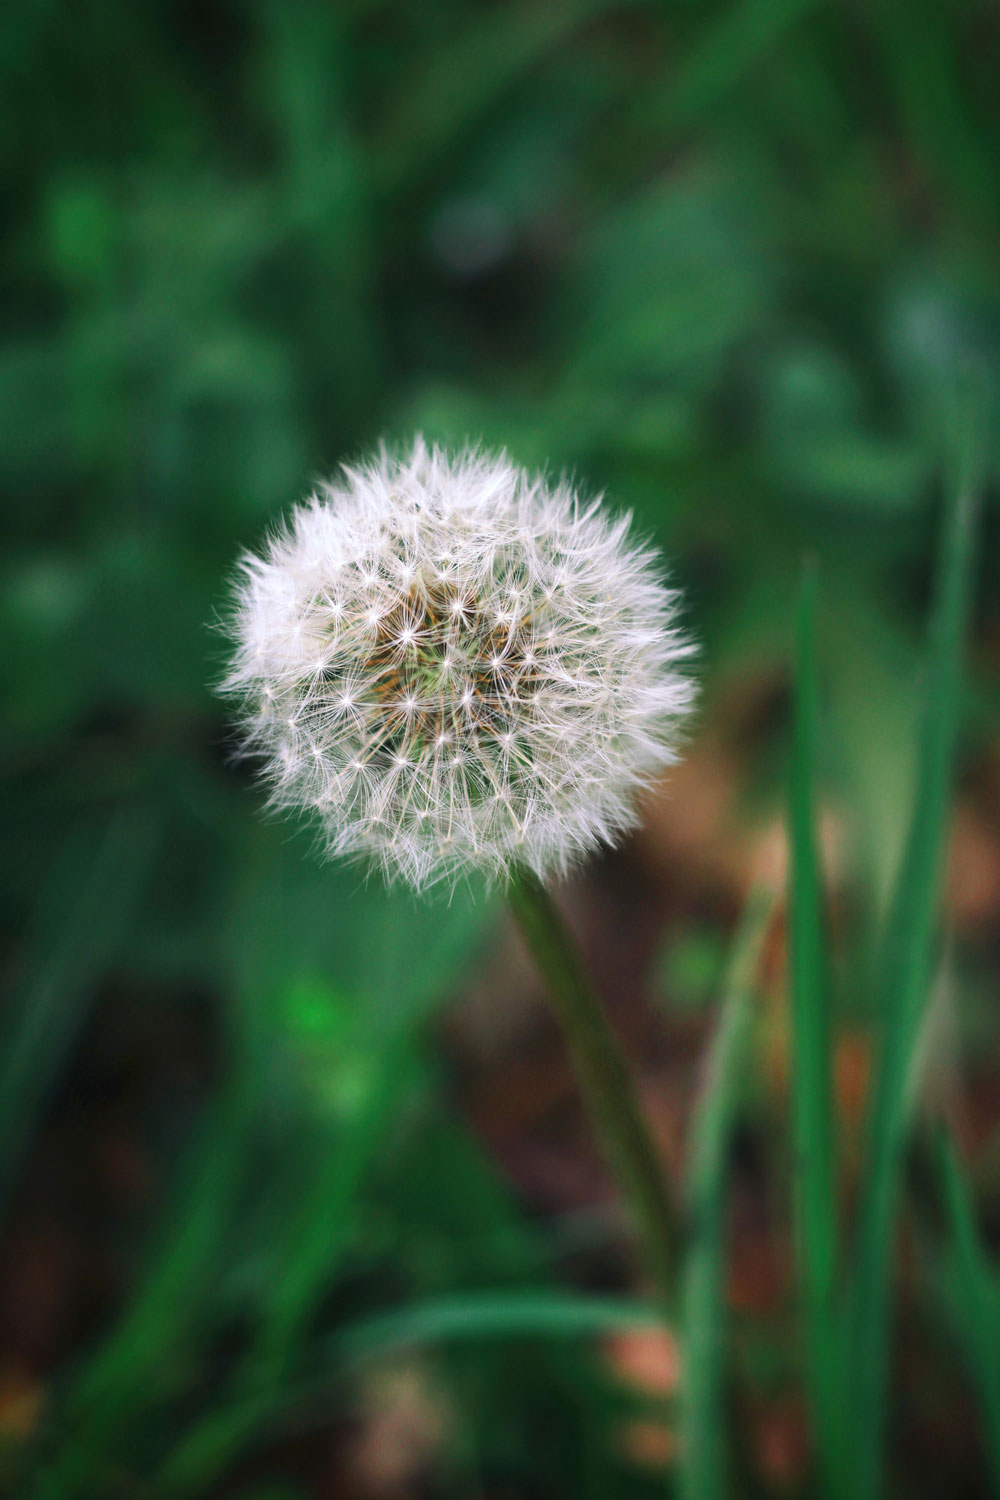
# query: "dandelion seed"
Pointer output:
{"type": "Point", "coordinates": [570, 693]}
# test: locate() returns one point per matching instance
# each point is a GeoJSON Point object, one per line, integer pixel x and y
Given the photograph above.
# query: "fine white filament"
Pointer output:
{"type": "Point", "coordinates": [457, 665]}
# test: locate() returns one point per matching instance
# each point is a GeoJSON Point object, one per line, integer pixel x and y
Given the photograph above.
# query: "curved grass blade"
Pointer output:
{"type": "Point", "coordinates": [909, 954]}
{"type": "Point", "coordinates": [499, 1315]}
{"type": "Point", "coordinates": [469, 1318]}
{"type": "Point", "coordinates": [703, 1474]}
{"type": "Point", "coordinates": [812, 1085]}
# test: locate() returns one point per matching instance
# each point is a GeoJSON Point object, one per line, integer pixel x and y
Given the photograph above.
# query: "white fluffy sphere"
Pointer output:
{"type": "Point", "coordinates": [457, 665]}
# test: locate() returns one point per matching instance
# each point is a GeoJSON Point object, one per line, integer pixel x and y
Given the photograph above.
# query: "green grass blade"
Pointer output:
{"type": "Point", "coordinates": [976, 1294]}
{"type": "Point", "coordinates": [128, 1373]}
{"type": "Point", "coordinates": [500, 1315]}
{"type": "Point", "coordinates": [466, 1318]}
{"type": "Point", "coordinates": [727, 50]}
{"type": "Point", "coordinates": [92, 895]}
{"type": "Point", "coordinates": [324, 1223]}
{"type": "Point", "coordinates": [909, 955]}
{"type": "Point", "coordinates": [470, 1318]}
{"type": "Point", "coordinates": [927, 77]}
{"type": "Point", "coordinates": [703, 1474]}
{"type": "Point", "coordinates": [468, 76]}
{"type": "Point", "coordinates": [320, 1234]}
{"type": "Point", "coordinates": [812, 1087]}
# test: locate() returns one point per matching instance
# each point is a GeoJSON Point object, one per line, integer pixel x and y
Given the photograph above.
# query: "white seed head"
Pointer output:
{"type": "Point", "coordinates": [457, 665]}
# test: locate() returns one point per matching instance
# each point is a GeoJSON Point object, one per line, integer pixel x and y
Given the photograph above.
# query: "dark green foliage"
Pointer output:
{"type": "Point", "coordinates": [722, 260]}
{"type": "Point", "coordinates": [908, 949]}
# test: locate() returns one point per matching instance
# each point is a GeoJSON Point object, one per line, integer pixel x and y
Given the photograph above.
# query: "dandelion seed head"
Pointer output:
{"type": "Point", "coordinates": [457, 665]}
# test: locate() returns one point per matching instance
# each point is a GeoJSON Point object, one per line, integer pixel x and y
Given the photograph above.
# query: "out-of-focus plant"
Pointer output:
{"type": "Point", "coordinates": [721, 257]}
{"type": "Point", "coordinates": [846, 1302]}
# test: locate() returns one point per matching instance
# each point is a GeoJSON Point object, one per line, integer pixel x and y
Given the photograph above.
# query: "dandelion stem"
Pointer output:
{"type": "Point", "coordinates": [604, 1075]}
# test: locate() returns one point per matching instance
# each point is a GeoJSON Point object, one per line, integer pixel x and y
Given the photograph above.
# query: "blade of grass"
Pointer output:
{"type": "Point", "coordinates": [467, 1318]}
{"type": "Point", "coordinates": [324, 1223]}
{"type": "Point", "coordinates": [486, 58]}
{"type": "Point", "coordinates": [319, 1238]}
{"type": "Point", "coordinates": [922, 48]}
{"type": "Point", "coordinates": [128, 1373]}
{"type": "Point", "coordinates": [703, 1474]}
{"type": "Point", "coordinates": [976, 1294]}
{"type": "Point", "coordinates": [909, 953]}
{"type": "Point", "coordinates": [493, 1315]}
{"type": "Point", "coordinates": [727, 50]}
{"type": "Point", "coordinates": [812, 1087]}
{"type": "Point", "coordinates": [91, 897]}
{"type": "Point", "coordinates": [461, 1319]}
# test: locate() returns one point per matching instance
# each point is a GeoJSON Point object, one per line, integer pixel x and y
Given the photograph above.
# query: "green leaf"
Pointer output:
{"type": "Point", "coordinates": [293, 917]}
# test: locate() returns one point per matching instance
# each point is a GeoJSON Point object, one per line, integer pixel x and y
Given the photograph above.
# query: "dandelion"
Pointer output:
{"type": "Point", "coordinates": [455, 665]}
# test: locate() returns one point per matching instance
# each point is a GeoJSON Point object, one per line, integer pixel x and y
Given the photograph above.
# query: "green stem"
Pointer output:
{"type": "Point", "coordinates": [603, 1073]}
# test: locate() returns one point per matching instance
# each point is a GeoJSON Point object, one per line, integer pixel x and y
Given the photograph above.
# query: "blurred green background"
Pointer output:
{"type": "Point", "coordinates": [293, 1181]}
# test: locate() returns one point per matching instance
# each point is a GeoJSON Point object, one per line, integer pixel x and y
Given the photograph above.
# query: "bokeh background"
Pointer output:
{"type": "Point", "coordinates": [293, 1176]}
